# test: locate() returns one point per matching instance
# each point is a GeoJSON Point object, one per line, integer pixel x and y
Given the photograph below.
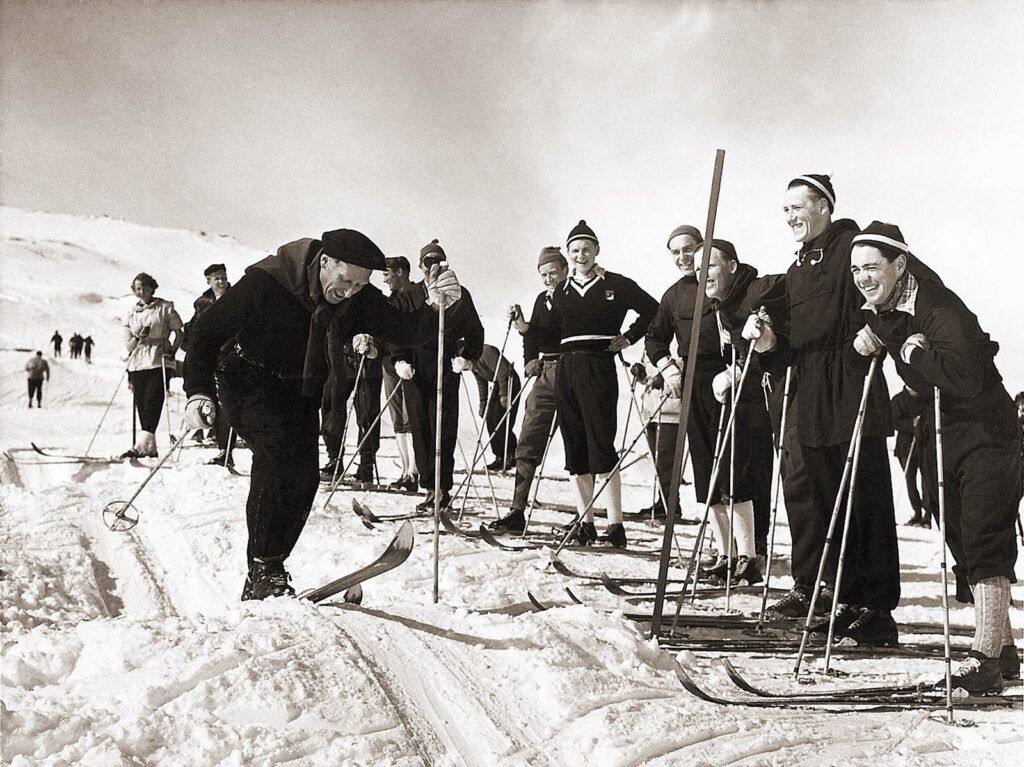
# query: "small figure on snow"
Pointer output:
{"type": "Point", "coordinates": [37, 369]}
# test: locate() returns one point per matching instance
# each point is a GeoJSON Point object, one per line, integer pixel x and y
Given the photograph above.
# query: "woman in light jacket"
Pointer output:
{"type": "Point", "coordinates": [152, 335]}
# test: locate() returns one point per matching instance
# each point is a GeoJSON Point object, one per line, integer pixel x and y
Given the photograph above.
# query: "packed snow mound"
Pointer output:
{"type": "Point", "coordinates": [133, 648]}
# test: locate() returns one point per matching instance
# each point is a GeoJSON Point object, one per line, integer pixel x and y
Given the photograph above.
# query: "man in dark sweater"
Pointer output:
{"type": "Point", "coordinates": [494, 405]}
{"type": "Point", "coordinates": [262, 349]}
{"type": "Point", "coordinates": [939, 347]}
{"type": "Point", "coordinates": [674, 319]}
{"type": "Point", "coordinates": [217, 285]}
{"type": "Point", "coordinates": [541, 343]}
{"type": "Point", "coordinates": [462, 330]}
{"type": "Point", "coordinates": [735, 292]}
{"type": "Point", "coordinates": [591, 306]}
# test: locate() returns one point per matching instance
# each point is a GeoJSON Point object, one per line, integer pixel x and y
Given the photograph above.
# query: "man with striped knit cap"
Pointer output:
{"type": "Point", "coordinates": [591, 306]}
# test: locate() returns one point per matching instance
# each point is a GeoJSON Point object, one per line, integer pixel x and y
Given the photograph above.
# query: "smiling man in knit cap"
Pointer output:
{"type": "Point", "coordinates": [675, 319]}
{"type": "Point", "coordinates": [541, 344]}
{"type": "Point", "coordinates": [262, 349]}
{"type": "Point", "coordinates": [938, 345]}
{"type": "Point", "coordinates": [463, 343]}
{"type": "Point", "coordinates": [591, 306]}
{"type": "Point", "coordinates": [823, 306]}
{"type": "Point", "coordinates": [735, 292]}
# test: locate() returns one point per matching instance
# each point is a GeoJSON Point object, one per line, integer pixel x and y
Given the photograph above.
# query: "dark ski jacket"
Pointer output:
{"type": "Point", "coordinates": [276, 321]}
{"type": "Point", "coordinates": [484, 368]}
{"type": "Point", "coordinates": [675, 317]}
{"type": "Point", "coordinates": [823, 305]}
{"type": "Point", "coordinates": [960, 361]}
{"type": "Point", "coordinates": [543, 336]}
{"type": "Point", "coordinates": [463, 333]}
{"type": "Point", "coordinates": [747, 295]}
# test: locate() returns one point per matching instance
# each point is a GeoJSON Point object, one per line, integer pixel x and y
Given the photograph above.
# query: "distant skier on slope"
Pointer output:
{"type": "Point", "coordinates": [37, 369]}
{"type": "Point", "coordinates": [262, 348]}
{"type": "Point", "coordinates": [56, 339]}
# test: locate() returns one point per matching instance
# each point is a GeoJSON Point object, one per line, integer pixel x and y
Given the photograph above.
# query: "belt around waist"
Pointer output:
{"type": "Point", "coordinates": [260, 365]}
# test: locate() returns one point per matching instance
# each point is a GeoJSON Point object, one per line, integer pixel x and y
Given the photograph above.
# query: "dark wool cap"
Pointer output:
{"type": "Point", "coordinates": [398, 262]}
{"type": "Point", "coordinates": [214, 268]}
{"type": "Point", "coordinates": [581, 232]}
{"type": "Point", "coordinates": [352, 247]}
{"type": "Point", "coordinates": [882, 235]}
{"type": "Point", "coordinates": [685, 229]}
{"type": "Point", "coordinates": [549, 254]}
{"type": "Point", "coordinates": [819, 182]}
{"type": "Point", "coordinates": [432, 247]}
{"type": "Point", "coordinates": [727, 248]}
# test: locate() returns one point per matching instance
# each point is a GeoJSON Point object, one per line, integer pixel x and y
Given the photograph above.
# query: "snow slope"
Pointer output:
{"type": "Point", "coordinates": [132, 648]}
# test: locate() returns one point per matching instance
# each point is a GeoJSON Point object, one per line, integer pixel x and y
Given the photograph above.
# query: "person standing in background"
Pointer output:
{"type": "Point", "coordinates": [37, 369]}
{"type": "Point", "coordinates": [152, 336]}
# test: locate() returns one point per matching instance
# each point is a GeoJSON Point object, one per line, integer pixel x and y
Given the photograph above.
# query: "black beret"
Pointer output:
{"type": "Point", "coordinates": [352, 247]}
{"type": "Point", "coordinates": [212, 268]}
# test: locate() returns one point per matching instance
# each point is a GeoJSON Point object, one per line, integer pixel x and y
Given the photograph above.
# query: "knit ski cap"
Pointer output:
{"type": "Point", "coordinates": [352, 247]}
{"type": "Point", "coordinates": [821, 182]}
{"type": "Point", "coordinates": [432, 247]}
{"type": "Point", "coordinates": [886, 236]}
{"type": "Point", "coordinates": [549, 254]}
{"type": "Point", "coordinates": [397, 262]}
{"type": "Point", "coordinates": [214, 268]}
{"type": "Point", "coordinates": [581, 232]}
{"type": "Point", "coordinates": [727, 248]}
{"type": "Point", "coordinates": [685, 229]}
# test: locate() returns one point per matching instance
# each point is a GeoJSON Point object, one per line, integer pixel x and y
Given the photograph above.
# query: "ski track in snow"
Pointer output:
{"type": "Point", "coordinates": [132, 648]}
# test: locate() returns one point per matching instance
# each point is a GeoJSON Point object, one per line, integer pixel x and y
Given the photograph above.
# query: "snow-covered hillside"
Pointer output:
{"type": "Point", "coordinates": [133, 649]}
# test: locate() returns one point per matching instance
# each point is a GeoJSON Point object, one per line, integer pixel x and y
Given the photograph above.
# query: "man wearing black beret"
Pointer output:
{"type": "Point", "coordinates": [262, 349]}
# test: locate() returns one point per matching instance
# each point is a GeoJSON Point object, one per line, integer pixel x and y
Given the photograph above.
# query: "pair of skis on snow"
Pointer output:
{"type": "Point", "coordinates": [881, 698]}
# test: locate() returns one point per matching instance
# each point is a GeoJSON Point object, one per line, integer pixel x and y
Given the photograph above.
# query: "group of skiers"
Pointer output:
{"type": "Point", "coordinates": [77, 344]}
{"type": "Point", "coordinates": [789, 362]}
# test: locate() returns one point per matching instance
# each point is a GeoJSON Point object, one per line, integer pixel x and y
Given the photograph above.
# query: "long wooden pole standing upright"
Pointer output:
{"type": "Point", "coordinates": [684, 412]}
{"type": "Point", "coordinates": [438, 411]}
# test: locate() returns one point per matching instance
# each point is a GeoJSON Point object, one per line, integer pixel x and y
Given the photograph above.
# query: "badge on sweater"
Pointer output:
{"type": "Point", "coordinates": [609, 295]}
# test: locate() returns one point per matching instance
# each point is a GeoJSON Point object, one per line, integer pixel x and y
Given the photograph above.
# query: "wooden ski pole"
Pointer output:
{"type": "Point", "coordinates": [684, 415]}
{"type": "Point", "coordinates": [843, 482]}
{"type": "Point", "coordinates": [777, 486]}
{"type": "Point", "coordinates": [941, 475]}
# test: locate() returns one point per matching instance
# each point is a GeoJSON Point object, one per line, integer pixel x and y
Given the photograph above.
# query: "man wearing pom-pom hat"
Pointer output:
{"type": "Point", "coordinates": [591, 306]}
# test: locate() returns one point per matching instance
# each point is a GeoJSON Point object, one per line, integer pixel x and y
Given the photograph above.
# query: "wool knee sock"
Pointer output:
{"type": "Point", "coordinates": [613, 496]}
{"type": "Point", "coordinates": [402, 440]}
{"type": "Point", "coordinates": [743, 512]}
{"type": "Point", "coordinates": [991, 613]}
{"type": "Point", "coordinates": [584, 484]}
{"type": "Point", "coordinates": [719, 522]}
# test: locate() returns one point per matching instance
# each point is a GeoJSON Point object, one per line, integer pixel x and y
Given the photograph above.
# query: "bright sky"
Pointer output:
{"type": "Point", "coordinates": [496, 126]}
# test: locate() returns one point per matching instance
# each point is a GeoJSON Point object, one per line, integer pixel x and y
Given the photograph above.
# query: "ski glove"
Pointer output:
{"type": "Point", "coordinates": [758, 330]}
{"type": "Point", "coordinates": [916, 341]}
{"type": "Point", "coordinates": [363, 343]}
{"type": "Point", "coordinates": [722, 384]}
{"type": "Point", "coordinates": [534, 368]}
{"type": "Point", "coordinates": [866, 342]}
{"type": "Point", "coordinates": [404, 369]}
{"type": "Point", "coordinates": [672, 376]}
{"type": "Point", "coordinates": [443, 288]}
{"type": "Point", "coordinates": [460, 364]}
{"type": "Point", "coordinates": [200, 412]}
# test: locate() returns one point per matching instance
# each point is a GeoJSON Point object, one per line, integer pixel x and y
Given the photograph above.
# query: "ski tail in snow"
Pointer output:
{"type": "Point", "coordinates": [396, 553]}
